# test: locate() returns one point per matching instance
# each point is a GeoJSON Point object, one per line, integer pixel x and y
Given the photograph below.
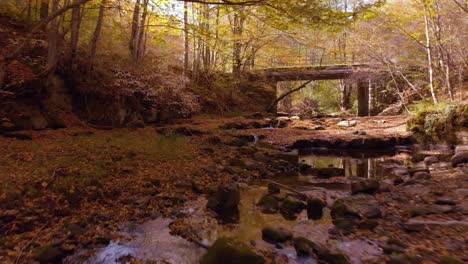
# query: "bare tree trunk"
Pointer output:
{"type": "Point", "coordinates": [141, 34]}
{"type": "Point", "coordinates": [44, 13]}
{"type": "Point", "coordinates": [96, 34]}
{"type": "Point", "coordinates": [428, 52]}
{"type": "Point", "coordinates": [186, 40]}
{"type": "Point", "coordinates": [53, 39]}
{"type": "Point", "coordinates": [238, 25]}
{"type": "Point", "coordinates": [74, 34]}
{"type": "Point", "coordinates": [134, 33]}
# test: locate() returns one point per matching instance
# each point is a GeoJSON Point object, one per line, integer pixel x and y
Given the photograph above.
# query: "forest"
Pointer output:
{"type": "Point", "coordinates": [233, 131]}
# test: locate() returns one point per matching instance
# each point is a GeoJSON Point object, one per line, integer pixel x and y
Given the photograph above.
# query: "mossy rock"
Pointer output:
{"type": "Point", "coordinates": [292, 205]}
{"type": "Point", "coordinates": [305, 247]}
{"type": "Point", "coordinates": [50, 254]}
{"type": "Point", "coordinates": [268, 204]}
{"type": "Point", "coordinates": [450, 260]}
{"type": "Point", "coordinates": [230, 251]}
{"type": "Point", "coordinates": [333, 258]}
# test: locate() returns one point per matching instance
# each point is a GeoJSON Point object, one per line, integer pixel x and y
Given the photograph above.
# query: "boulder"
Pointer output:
{"type": "Point", "coordinates": [404, 259]}
{"type": "Point", "coordinates": [347, 123]}
{"type": "Point", "coordinates": [315, 208]}
{"type": "Point", "coordinates": [225, 202]}
{"type": "Point", "coordinates": [229, 251]}
{"type": "Point", "coordinates": [292, 205]}
{"type": "Point", "coordinates": [268, 204]}
{"type": "Point", "coordinates": [421, 175]}
{"type": "Point", "coordinates": [450, 260]}
{"type": "Point", "coordinates": [429, 209]}
{"type": "Point", "coordinates": [247, 150]}
{"type": "Point", "coordinates": [291, 157]}
{"type": "Point", "coordinates": [273, 189]}
{"type": "Point", "coordinates": [459, 158]}
{"type": "Point", "coordinates": [333, 258]}
{"type": "Point", "coordinates": [369, 186]}
{"type": "Point", "coordinates": [349, 211]}
{"type": "Point", "coordinates": [276, 235]}
{"type": "Point", "coordinates": [50, 254]}
{"type": "Point", "coordinates": [305, 247]}
{"type": "Point", "coordinates": [431, 160]}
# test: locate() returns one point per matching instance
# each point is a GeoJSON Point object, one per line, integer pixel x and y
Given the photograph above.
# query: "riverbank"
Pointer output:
{"type": "Point", "coordinates": [64, 189]}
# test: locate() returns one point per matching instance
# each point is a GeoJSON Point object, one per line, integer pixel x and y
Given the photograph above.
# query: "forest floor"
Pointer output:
{"type": "Point", "coordinates": [63, 190]}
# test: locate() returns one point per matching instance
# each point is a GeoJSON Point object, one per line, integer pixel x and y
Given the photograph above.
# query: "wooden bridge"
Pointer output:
{"type": "Point", "coordinates": [361, 74]}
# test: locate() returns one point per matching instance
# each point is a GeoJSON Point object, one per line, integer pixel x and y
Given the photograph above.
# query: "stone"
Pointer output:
{"type": "Point", "coordinates": [462, 192]}
{"type": "Point", "coordinates": [429, 209]}
{"type": "Point", "coordinates": [459, 158]}
{"type": "Point", "coordinates": [369, 186]}
{"type": "Point", "coordinates": [273, 189]}
{"type": "Point", "coordinates": [230, 251]}
{"type": "Point", "coordinates": [50, 254]}
{"type": "Point", "coordinates": [421, 175]}
{"type": "Point", "coordinates": [292, 205]}
{"type": "Point", "coordinates": [304, 247]}
{"type": "Point", "coordinates": [417, 189]}
{"type": "Point", "coordinates": [450, 260]}
{"type": "Point", "coordinates": [404, 259]}
{"type": "Point", "coordinates": [292, 118]}
{"type": "Point", "coordinates": [276, 235]}
{"type": "Point", "coordinates": [315, 208]}
{"type": "Point", "coordinates": [445, 201]}
{"type": "Point", "coordinates": [394, 246]}
{"type": "Point", "coordinates": [247, 150]}
{"type": "Point", "coordinates": [414, 170]}
{"type": "Point", "coordinates": [225, 202]}
{"type": "Point", "coordinates": [291, 157]}
{"type": "Point", "coordinates": [462, 208]}
{"type": "Point", "coordinates": [333, 258]}
{"type": "Point", "coordinates": [347, 123]}
{"type": "Point", "coordinates": [268, 204]}
{"type": "Point", "coordinates": [430, 160]}
{"type": "Point", "coordinates": [360, 132]}
{"type": "Point", "coordinates": [356, 206]}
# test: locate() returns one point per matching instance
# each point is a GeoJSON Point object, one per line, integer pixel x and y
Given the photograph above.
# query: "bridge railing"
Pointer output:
{"type": "Point", "coordinates": [298, 61]}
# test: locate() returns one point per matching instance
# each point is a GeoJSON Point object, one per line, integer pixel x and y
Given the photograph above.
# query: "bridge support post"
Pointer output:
{"type": "Point", "coordinates": [363, 97]}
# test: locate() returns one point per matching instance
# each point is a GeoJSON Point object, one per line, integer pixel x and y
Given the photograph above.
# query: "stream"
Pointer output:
{"type": "Point", "coordinates": [153, 241]}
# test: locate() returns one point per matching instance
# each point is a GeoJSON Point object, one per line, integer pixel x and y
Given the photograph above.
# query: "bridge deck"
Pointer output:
{"type": "Point", "coordinates": [313, 72]}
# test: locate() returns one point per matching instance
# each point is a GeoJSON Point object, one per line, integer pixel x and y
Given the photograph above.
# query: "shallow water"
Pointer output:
{"type": "Point", "coordinates": [153, 241]}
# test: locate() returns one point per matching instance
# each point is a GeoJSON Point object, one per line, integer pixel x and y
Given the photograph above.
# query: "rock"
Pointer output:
{"type": "Point", "coordinates": [6, 125]}
{"type": "Point", "coordinates": [215, 140]}
{"type": "Point", "coordinates": [237, 162]}
{"type": "Point", "coordinates": [273, 189]}
{"type": "Point", "coordinates": [268, 204]}
{"type": "Point", "coordinates": [360, 132]}
{"type": "Point", "coordinates": [229, 251]}
{"type": "Point", "coordinates": [413, 226]}
{"type": "Point", "coordinates": [421, 175]}
{"type": "Point", "coordinates": [462, 192]}
{"type": "Point", "coordinates": [325, 173]}
{"type": "Point", "coordinates": [394, 246]}
{"type": "Point", "coordinates": [247, 150]}
{"type": "Point", "coordinates": [462, 208]}
{"type": "Point", "coordinates": [369, 186]}
{"type": "Point", "coordinates": [445, 201]}
{"type": "Point", "coordinates": [292, 205]}
{"type": "Point", "coordinates": [431, 160]}
{"type": "Point", "coordinates": [305, 247]}
{"type": "Point", "coordinates": [417, 189]}
{"type": "Point", "coordinates": [459, 158]}
{"type": "Point", "coordinates": [450, 260]}
{"type": "Point", "coordinates": [75, 229]}
{"type": "Point", "coordinates": [50, 254]}
{"type": "Point", "coordinates": [429, 209]}
{"type": "Point", "coordinates": [347, 123]}
{"type": "Point", "coordinates": [414, 170]}
{"type": "Point", "coordinates": [280, 122]}
{"type": "Point", "coordinates": [225, 202]}
{"type": "Point", "coordinates": [315, 208]}
{"type": "Point", "coordinates": [292, 118]}
{"type": "Point", "coordinates": [333, 258]}
{"type": "Point", "coordinates": [354, 208]}
{"type": "Point", "coordinates": [276, 235]}
{"type": "Point", "coordinates": [404, 259]}
{"type": "Point", "coordinates": [291, 157]}
{"type": "Point", "coordinates": [398, 181]}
